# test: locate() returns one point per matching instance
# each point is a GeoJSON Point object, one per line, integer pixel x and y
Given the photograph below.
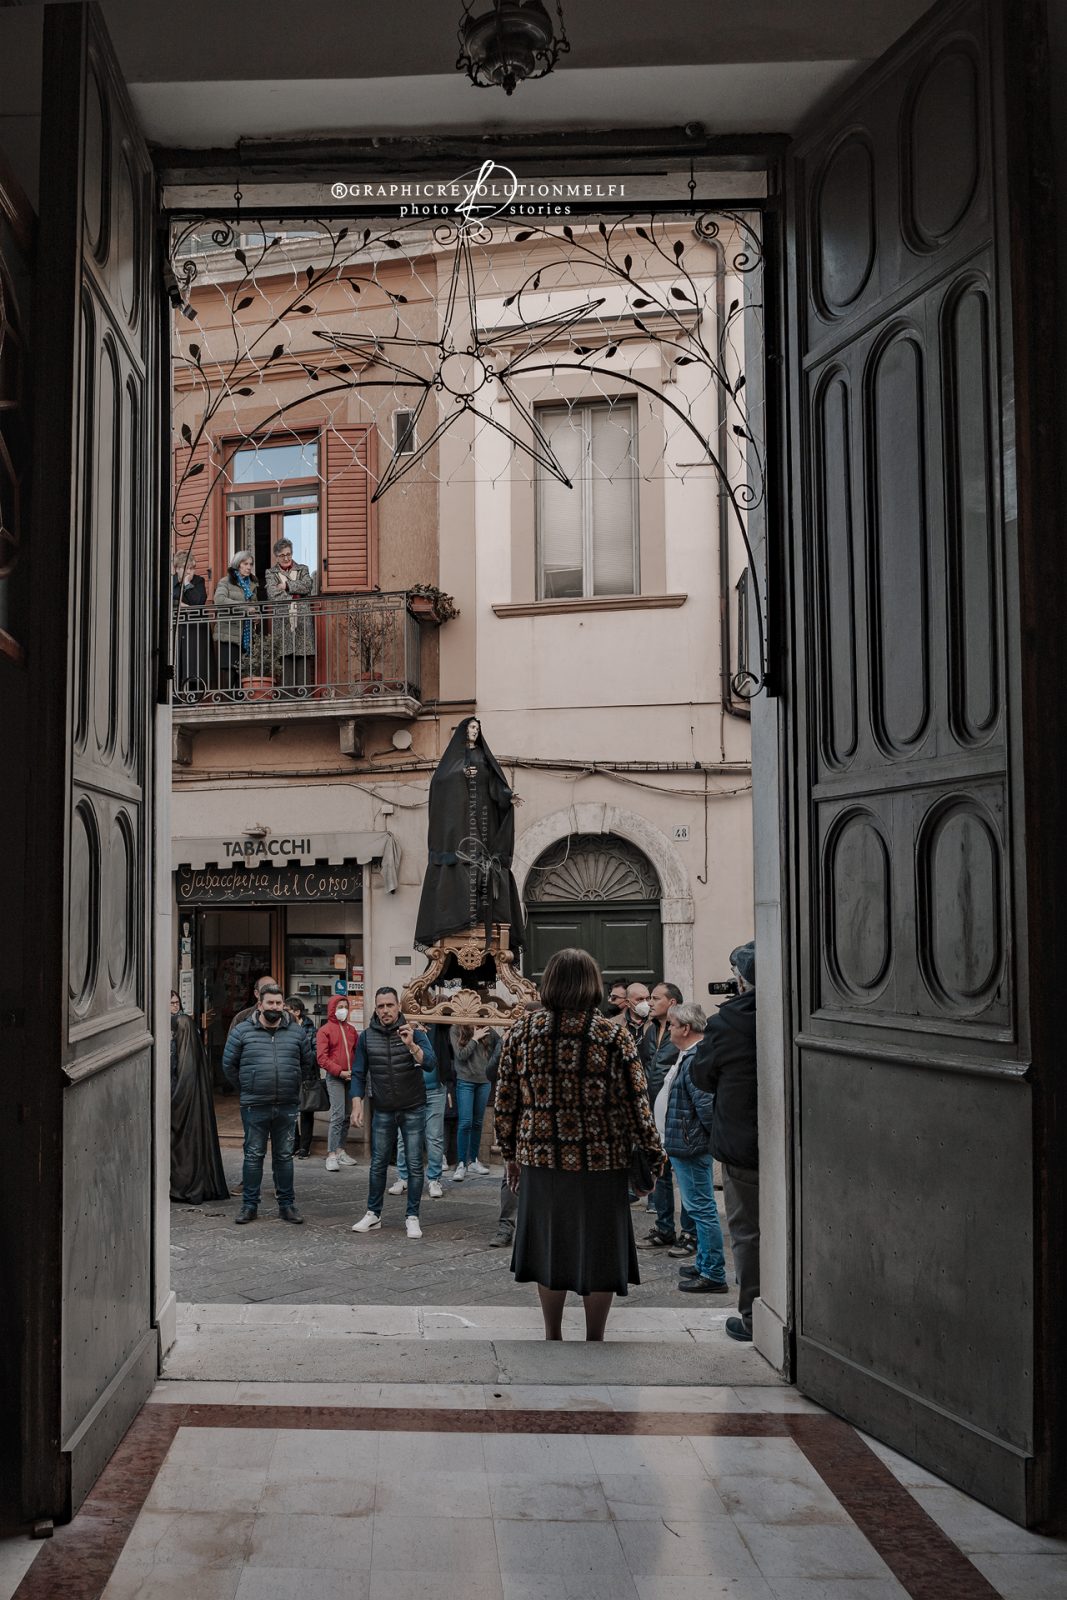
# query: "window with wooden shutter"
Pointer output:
{"type": "Point", "coordinates": [194, 510]}
{"type": "Point", "coordinates": [350, 544]}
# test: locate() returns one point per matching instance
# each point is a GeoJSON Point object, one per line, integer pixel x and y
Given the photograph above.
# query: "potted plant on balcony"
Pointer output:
{"type": "Point", "coordinates": [430, 605]}
{"type": "Point", "coordinates": [259, 666]}
{"type": "Point", "coordinates": [373, 635]}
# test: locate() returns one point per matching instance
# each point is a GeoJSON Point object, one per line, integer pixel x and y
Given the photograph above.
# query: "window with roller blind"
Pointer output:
{"type": "Point", "coordinates": [587, 536]}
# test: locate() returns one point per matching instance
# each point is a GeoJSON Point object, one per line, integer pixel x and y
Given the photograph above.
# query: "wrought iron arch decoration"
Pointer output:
{"type": "Point", "coordinates": [591, 866]}
{"type": "Point", "coordinates": [464, 363]}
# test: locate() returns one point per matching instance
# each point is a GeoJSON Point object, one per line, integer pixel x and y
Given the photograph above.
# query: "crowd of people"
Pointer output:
{"type": "Point", "coordinates": [598, 1109]}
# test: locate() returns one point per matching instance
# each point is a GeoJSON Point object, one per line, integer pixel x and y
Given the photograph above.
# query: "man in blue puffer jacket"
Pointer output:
{"type": "Point", "coordinates": [683, 1115]}
{"type": "Point", "coordinates": [267, 1058]}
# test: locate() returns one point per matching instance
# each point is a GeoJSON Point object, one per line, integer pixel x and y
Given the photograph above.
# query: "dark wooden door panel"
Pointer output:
{"type": "Point", "coordinates": [96, 550]}
{"type": "Point", "coordinates": [914, 1130]}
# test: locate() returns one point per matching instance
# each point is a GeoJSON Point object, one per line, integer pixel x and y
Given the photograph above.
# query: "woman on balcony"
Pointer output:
{"type": "Point", "coordinates": [235, 594]}
{"type": "Point", "coordinates": [288, 582]}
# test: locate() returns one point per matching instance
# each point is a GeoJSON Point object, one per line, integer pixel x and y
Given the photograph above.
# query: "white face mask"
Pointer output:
{"type": "Point", "coordinates": [341, 1013]}
{"type": "Point", "coordinates": [642, 1008]}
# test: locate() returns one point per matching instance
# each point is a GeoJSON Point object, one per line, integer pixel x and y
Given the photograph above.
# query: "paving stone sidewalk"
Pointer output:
{"type": "Point", "coordinates": [325, 1263]}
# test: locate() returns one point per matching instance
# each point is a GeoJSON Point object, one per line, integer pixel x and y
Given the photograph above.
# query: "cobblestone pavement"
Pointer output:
{"type": "Point", "coordinates": [325, 1263]}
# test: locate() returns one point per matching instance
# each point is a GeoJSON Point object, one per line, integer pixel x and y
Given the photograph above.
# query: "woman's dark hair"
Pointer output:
{"type": "Point", "coordinates": [176, 996]}
{"type": "Point", "coordinates": [571, 982]}
{"type": "Point", "coordinates": [295, 1003]}
{"type": "Point", "coordinates": [464, 1033]}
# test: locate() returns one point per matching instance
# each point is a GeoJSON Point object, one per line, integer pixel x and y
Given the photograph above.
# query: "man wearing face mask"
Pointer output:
{"type": "Point", "coordinates": [638, 1010]}
{"type": "Point", "coordinates": [267, 1058]}
{"type": "Point", "coordinates": [616, 1002]}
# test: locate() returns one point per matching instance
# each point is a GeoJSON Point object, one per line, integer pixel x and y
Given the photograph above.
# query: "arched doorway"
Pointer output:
{"type": "Point", "coordinates": [602, 894]}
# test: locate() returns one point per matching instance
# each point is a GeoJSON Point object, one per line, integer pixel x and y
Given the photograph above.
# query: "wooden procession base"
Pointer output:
{"type": "Point", "coordinates": [479, 1004]}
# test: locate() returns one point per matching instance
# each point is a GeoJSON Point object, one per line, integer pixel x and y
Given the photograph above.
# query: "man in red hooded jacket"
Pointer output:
{"type": "Point", "coordinates": [335, 1046]}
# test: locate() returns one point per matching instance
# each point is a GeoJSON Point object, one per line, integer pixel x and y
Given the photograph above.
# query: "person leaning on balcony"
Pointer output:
{"type": "Point", "coordinates": [193, 654]}
{"type": "Point", "coordinates": [289, 581]}
{"type": "Point", "coordinates": [234, 594]}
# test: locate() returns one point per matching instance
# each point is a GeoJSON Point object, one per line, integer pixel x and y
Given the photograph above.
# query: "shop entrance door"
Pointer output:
{"type": "Point", "coordinates": [235, 947]}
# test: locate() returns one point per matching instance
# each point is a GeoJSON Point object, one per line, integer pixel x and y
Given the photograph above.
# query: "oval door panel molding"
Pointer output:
{"type": "Point", "coordinates": [897, 550]}
{"type": "Point", "coordinates": [126, 255]}
{"type": "Point", "coordinates": [959, 869]}
{"type": "Point", "coordinates": [835, 651]}
{"type": "Point", "coordinates": [83, 926]}
{"type": "Point", "coordinates": [119, 903]}
{"type": "Point", "coordinates": [858, 939]}
{"type": "Point", "coordinates": [973, 540]}
{"type": "Point", "coordinates": [97, 157]}
{"type": "Point", "coordinates": [843, 229]}
{"type": "Point", "coordinates": [940, 159]}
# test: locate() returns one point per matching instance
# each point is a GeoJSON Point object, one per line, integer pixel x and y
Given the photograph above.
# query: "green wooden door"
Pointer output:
{"type": "Point", "coordinates": [626, 940]}
{"type": "Point", "coordinates": [598, 893]}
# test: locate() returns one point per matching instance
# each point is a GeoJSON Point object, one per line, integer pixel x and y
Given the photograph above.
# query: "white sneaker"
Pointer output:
{"type": "Point", "coordinates": [412, 1225]}
{"type": "Point", "coordinates": [459, 1174]}
{"type": "Point", "coordinates": [365, 1224]}
{"type": "Point", "coordinates": [345, 1160]}
{"type": "Point", "coordinates": [476, 1166]}
{"type": "Point", "coordinates": [435, 1189]}
{"type": "Point", "coordinates": [399, 1187]}
{"type": "Point", "coordinates": [332, 1163]}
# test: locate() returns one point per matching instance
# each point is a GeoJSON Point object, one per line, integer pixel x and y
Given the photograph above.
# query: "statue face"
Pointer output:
{"type": "Point", "coordinates": [474, 728]}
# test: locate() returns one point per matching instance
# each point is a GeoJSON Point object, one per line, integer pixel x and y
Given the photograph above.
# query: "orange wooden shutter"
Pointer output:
{"type": "Point", "coordinates": [194, 509]}
{"type": "Point", "coordinates": [350, 545]}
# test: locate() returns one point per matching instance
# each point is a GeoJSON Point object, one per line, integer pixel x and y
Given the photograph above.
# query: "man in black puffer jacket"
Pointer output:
{"type": "Point", "coordinates": [267, 1058]}
{"type": "Point", "coordinates": [392, 1061]}
{"type": "Point", "coordinates": [725, 1065]}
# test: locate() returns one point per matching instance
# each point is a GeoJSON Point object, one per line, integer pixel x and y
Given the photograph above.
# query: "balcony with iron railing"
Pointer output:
{"type": "Point", "coordinates": [317, 656]}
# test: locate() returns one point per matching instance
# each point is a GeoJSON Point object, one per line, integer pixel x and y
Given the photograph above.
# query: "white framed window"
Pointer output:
{"type": "Point", "coordinates": [587, 536]}
{"type": "Point", "coordinates": [404, 440]}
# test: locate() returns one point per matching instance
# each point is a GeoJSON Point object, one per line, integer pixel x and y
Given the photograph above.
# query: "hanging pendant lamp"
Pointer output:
{"type": "Point", "coordinates": [513, 41]}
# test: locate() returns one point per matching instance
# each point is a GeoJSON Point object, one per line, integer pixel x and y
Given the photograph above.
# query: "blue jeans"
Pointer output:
{"type": "Point", "coordinates": [663, 1195]}
{"type": "Point", "coordinates": [697, 1189]}
{"type": "Point", "coordinates": [278, 1123]}
{"type": "Point", "coordinates": [340, 1093]}
{"type": "Point", "coordinates": [435, 1138]}
{"type": "Point", "coordinates": [384, 1127]}
{"type": "Point", "coordinates": [471, 1101]}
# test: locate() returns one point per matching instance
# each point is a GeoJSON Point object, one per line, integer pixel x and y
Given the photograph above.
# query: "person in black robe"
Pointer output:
{"type": "Point", "coordinates": [196, 1172]}
{"type": "Point", "coordinates": [471, 835]}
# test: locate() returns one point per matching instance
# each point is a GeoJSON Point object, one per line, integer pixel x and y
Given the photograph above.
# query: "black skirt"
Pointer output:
{"type": "Point", "coordinates": [573, 1231]}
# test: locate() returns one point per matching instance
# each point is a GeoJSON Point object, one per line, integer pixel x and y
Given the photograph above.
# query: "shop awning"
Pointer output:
{"type": "Point", "coordinates": [283, 850]}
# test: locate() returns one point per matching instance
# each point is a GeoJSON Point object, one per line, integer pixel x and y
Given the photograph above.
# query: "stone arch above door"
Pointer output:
{"type": "Point", "coordinates": [592, 866]}
{"type": "Point", "coordinates": [597, 817]}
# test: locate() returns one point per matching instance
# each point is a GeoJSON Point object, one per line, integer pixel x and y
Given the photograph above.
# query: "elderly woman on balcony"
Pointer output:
{"type": "Point", "coordinates": [288, 582]}
{"type": "Point", "coordinates": [234, 594]}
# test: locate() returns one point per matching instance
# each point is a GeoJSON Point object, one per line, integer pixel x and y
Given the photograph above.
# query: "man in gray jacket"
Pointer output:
{"type": "Point", "coordinates": [267, 1058]}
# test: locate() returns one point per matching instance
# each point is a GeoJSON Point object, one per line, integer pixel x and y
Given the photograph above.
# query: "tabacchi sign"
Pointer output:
{"type": "Point", "coordinates": [264, 849]}
{"type": "Point", "coordinates": [491, 191]}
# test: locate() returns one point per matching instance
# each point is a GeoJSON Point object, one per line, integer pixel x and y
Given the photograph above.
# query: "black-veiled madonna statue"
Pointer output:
{"type": "Point", "coordinates": [469, 883]}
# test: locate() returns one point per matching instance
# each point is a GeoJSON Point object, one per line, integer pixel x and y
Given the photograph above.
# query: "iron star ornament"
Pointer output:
{"type": "Point", "coordinates": [465, 373]}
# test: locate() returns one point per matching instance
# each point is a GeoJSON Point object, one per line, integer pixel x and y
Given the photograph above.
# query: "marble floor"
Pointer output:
{"type": "Point", "coordinates": [252, 1491]}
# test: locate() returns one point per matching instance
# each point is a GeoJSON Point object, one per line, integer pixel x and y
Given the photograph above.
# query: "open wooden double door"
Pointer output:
{"type": "Point", "coordinates": [921, 627]}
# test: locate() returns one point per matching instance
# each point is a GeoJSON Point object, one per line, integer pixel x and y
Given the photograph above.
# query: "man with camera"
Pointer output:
{"type": "Point", "coordinates": [268, 1057]}
{"type": "Point", "coordinates": [725, 1066]}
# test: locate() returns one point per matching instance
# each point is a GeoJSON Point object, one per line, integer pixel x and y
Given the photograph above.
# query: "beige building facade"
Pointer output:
{"type": "Point", "coordinates": [589, 629]}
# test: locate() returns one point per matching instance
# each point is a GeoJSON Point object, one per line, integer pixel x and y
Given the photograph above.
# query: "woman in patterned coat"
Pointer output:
{"type": "Point", "coordinates": [571, 1109]}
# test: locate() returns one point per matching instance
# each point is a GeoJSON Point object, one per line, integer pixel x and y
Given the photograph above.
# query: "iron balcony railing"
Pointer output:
{"type": "Point", "coordinates": [319, 648]}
